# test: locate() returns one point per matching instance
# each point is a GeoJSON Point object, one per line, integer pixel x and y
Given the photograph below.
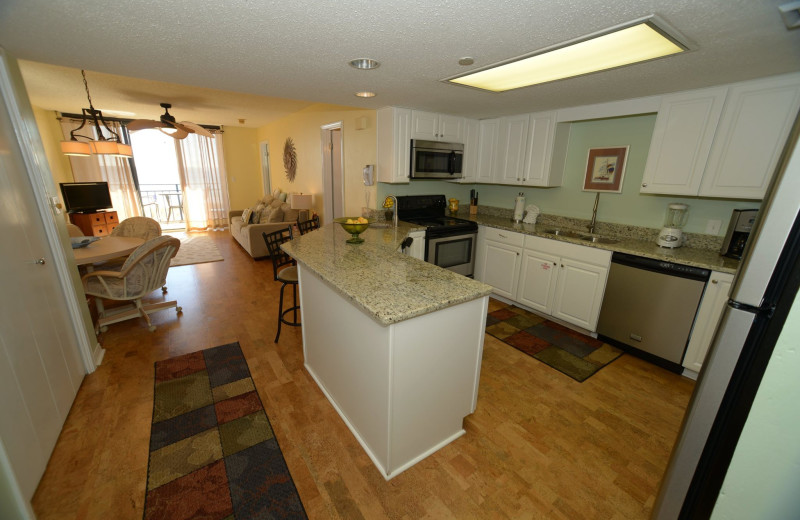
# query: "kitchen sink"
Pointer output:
{"type": "Point", "coordinates": [564, 233]}
{"type": "Point", "coordinates": [599, 240]}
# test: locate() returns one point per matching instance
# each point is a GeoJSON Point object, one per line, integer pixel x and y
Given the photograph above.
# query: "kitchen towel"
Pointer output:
{"type": "Point", "coordinates": [519, 208]}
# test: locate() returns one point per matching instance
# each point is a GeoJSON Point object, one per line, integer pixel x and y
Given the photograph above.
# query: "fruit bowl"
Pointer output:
{"type": "Point", "coordinates": [355, 226]}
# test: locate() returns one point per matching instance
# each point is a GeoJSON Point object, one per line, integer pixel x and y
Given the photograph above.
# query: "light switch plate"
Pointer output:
{"type": "Point", "coordinates": [713, 227]}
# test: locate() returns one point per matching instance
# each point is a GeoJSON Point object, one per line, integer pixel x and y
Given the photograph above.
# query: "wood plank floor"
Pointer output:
{"type": "Point", "coordinates": [539, 445]}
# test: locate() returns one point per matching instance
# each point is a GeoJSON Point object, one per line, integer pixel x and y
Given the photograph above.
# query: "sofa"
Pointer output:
{"type": "Point", "coordinates": [267, 215]}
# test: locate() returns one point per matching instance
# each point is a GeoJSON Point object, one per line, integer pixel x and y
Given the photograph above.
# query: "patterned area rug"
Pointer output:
{"type": "Point", "coordinates": [212, 451]}
{"type": "Point", "coordinates": [196, 250]}
{"type": "Point", "coordinates": [564, 349]}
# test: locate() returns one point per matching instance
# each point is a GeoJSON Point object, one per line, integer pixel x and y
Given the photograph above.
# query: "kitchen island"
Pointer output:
{"type": "Point", "coordinates": [394, 343]}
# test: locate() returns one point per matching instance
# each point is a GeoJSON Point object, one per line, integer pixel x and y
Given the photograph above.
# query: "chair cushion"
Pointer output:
{"type": "Point", "coordinates": [288, 275]}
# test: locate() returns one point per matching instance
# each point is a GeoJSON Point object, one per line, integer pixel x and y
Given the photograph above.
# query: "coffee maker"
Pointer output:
{"type": "Point", "coordinates": [738, 231]}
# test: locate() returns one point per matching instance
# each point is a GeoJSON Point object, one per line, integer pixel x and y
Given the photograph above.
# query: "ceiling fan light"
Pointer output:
{"type": "Point", "coordinates": [75, 148]}
{"type": "Point", "coordinates": [169, 130]}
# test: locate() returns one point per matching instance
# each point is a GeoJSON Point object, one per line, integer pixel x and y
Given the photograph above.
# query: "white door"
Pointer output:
{"type": "Point", "coordinates": [512, 148]}
{"type": "Point", "coordinates": [332, 172]}
{"type": "Point", "coordinates": [40, 361]}
{"type": "Point", "coordinates": [537, 280]}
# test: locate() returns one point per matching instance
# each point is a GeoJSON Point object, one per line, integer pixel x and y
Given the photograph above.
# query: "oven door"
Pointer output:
{"type": "Point", "coordinates": [456, 252]}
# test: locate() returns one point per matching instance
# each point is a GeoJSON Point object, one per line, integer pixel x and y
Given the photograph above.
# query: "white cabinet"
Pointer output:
{"type": "Point", "coordinates": [721, 142]}
{"type": "Point", "coordinates": [542, 145]}
{"type": "Point", "coordinates": [708, 315]}
{"type": "Point", "coordinates": [469, 167]}
{"type": "Point", "coordinates": [564, 280]}
{"type": "Point", "coordinates": [681, 142]}
{"type": "Point", "coordinates": [417, 247]}
{"type": "Point", "coordinates": [498, 259]}
{"type": "Point", "coordinates": [437, 127]}
{"type": "Point", "coordinates": [537, 281]}
{"type": "Point", "coordinates": [488, 133]}
{"type": "Point", "coordinates": [512, 146]}
{"type": "Point", "coordinates": [394, 145]}
{"type": "Point", "coordinates": [757, 119]}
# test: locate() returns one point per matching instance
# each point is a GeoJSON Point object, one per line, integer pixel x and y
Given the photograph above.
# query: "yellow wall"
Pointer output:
{"type": "Point", "coordinates": [359, 147]}
{"type": "Point", "coordinates": [50, 131]}
{"type": "Point", "coordinates": [242, 166]}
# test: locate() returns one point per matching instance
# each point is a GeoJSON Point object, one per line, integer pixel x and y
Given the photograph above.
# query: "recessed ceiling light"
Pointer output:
{"type": "Point", "coordinates": [466, 60]}
{"type": "Point", "coordinates": [365, 64]}
{"type": "Point", "coordinates": [365, 93]}
{"type": "Point", "coordinates": [637, 41]}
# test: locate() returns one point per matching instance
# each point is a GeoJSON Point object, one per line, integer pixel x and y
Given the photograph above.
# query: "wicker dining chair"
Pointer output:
{"type": "Point", "coordinates": [143, 272]}
{"type": "Point", "coordinates": [284, 270]}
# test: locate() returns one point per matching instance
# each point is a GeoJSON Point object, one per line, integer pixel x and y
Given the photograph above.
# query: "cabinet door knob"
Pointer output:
{"type": "Point", "coordinates": [714, 281]}
{"type": "Point", "coordinates": [501, 235]}
{"type": "Point", "coordinates": [39, 261]}
{"type": "Point", "coordinates": [644, 185]}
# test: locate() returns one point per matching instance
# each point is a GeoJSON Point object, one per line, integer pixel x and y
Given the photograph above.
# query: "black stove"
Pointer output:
{"type": "Point", "coordinates": [449, 241]}
{"type": "Point", "coordinates": [429, 211]}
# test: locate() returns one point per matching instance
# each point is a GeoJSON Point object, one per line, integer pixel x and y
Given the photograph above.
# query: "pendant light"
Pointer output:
{"type": "Point", "coordinates": [102, 145]}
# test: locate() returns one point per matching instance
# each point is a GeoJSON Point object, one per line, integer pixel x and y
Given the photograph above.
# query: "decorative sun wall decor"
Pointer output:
{"type": "Point", "coordinates": [290, 159]}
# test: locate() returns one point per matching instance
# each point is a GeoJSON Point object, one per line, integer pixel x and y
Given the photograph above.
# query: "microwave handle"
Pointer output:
{"type": "Point", "coordinates": [451, 163]}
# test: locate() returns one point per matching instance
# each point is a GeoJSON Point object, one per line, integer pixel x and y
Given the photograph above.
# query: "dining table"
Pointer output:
{"type": "Point", "coordinates": [105, 249]}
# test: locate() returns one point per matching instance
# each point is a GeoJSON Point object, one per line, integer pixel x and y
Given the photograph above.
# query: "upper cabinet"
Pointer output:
{"type": "Point", "coordinates": [721, 142]}
{"type": "Point", "coordinates": [517, 150]}
{"type": "Point", "coordinates": [469, 168]}
{"type": "Point", "coordinates": [754, 126]}
{"type": "Point", "coordinates": [394, 144]}
{"type": "Point", "coordinates": [437, 127]}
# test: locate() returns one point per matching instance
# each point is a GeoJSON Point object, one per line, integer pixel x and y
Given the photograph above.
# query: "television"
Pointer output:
{"type": "Point", "coordinates": [85, 197]}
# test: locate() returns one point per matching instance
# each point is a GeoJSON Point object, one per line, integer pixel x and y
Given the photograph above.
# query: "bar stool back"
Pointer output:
{"type": "Point", "coordinates": [285, 271]}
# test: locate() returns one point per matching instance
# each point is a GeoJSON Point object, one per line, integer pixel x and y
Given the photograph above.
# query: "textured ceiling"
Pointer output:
{"type": "Point", "coordinates": [217, 62]}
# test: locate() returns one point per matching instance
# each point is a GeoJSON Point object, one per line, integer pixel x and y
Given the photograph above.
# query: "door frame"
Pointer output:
{"type": "Point", "coordinates": [327, 182]}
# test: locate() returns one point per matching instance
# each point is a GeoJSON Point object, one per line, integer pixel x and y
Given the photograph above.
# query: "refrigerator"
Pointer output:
{"type": "Point", "coordinates": [763, 290]}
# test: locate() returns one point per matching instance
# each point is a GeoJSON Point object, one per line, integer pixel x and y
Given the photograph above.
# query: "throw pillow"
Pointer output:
{"type": "Point", "coordinates": [265, 215]}
{"type": "Point", "coordinates": [246, 216]}
{"type": "Point", "coordinates": [267, 200]}
{"type": "Point", "coordinates": [283, 197]}
{"type": "Point", "coordinates": [275, 204]}
{"type": "Point", "coordinates": [276, 215]}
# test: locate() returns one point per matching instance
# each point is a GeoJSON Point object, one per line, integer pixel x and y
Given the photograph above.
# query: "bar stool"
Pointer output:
{"type": "Point", "coordinates": [285, 275]}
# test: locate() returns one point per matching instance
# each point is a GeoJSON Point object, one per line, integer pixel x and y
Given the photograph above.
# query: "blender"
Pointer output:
{"type": "Point", "coordinates": [671, 235]}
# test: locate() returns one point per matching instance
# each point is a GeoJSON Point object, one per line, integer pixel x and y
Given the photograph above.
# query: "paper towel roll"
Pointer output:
{"type": "Point", "coordinates": [519, 208]}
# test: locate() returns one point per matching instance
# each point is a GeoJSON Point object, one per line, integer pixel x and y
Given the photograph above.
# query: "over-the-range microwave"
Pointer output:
{"type": "Point", "coordinates": [436, 160]}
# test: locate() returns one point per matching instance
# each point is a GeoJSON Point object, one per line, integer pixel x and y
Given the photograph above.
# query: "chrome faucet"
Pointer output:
{"type": "Point", "coordinates": [593, 223]}
{"type": "Point", "coordinates": [394, 218]}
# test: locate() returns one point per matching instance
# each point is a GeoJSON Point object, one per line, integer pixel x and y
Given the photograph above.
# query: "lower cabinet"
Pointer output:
{"type": "Point", "coordinates": [561, 279]}
{"type": "Point", "coordinates": [708, 315]}
{"type": "Point", "coordinates": [498, 259]}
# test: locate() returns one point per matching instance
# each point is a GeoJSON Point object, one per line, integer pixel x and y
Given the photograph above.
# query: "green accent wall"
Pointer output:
{"type": "Point", "coordinates": [569, 200]}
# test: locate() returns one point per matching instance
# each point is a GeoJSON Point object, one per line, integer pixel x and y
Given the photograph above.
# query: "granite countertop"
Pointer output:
{"type": "Point", "coordinates": [385, 284]}
{"type": "Point", "coordinates": [705, 258]}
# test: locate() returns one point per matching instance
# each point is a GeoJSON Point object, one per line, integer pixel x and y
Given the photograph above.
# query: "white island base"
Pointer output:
{"type": "Point", "coordinates": [403, 389]}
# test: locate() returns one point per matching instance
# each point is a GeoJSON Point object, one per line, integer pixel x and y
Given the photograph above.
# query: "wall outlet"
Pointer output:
{"type": "Point", "coordinates": [713, 227]}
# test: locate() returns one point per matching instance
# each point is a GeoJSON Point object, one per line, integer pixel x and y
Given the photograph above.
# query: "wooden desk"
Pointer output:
{"type": "Point", "coordinates": [105, 249]}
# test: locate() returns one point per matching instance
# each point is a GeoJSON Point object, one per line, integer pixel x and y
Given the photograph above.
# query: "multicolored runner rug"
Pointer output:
{"type": "Point", "coordinates": [570, 352]}
{"type": "Point", "coordinates": [212, 451]}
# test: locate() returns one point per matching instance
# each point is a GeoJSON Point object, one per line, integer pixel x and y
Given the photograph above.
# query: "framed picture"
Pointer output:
{"type": "Point", "coordinates": [605, 169]}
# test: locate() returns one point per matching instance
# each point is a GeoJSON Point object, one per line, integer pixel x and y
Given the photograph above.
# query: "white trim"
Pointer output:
{"type": "Point", "coordinates": [327, 205]}
{"type": "Point", "coordinates": [38, 173]}
{"type": "Point", "coordinates": [266, 175]}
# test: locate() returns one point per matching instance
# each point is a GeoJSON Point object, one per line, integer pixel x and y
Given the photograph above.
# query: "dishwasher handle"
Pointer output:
{"type": "Point", "coordinates": [661, 266]}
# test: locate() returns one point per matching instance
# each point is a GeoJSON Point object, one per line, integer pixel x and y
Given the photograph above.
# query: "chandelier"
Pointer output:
{"type": "Point", "coordinates": [102, 145]}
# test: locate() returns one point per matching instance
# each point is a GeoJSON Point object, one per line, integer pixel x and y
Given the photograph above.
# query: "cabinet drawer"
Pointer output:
{"type": "Point", "coordinates": [558, 248]}
{"type": "Point", "coordinates": [100, 230]}
{"type": "Point", "coordinates": [111, 217]}
{"type": "Point", "coordinates": [510, 238]}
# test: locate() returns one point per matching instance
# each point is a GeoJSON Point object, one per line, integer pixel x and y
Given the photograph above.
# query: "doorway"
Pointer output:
{"type": "Point", "coordinates": [332, 172]}
{"type": "Point", "coordinates": [265, 179]}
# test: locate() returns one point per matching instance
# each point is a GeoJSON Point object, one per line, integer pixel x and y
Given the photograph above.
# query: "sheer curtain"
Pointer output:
{"type": "Point", "coordinates": [116, 171]}
{"type": "Point", "coordinates": [205, 188]}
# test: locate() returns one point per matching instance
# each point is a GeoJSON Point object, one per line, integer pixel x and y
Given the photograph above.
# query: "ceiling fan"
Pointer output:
{"type": "Point", "coordinates": [169, 126]}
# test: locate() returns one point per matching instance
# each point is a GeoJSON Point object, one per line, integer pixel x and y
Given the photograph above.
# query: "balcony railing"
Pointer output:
{"type": "Point", "coordinates": [163, 202]}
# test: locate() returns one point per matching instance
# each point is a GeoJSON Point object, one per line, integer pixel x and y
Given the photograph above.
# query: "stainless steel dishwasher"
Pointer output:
{"type": "Point", "coordinates": [649, 307]}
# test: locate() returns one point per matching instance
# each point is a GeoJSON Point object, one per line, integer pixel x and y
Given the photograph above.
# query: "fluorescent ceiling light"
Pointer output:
{"type": "Point", "coordinates": [365, 94]}
{"type": "Point", "coordinates": [635, 42]}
